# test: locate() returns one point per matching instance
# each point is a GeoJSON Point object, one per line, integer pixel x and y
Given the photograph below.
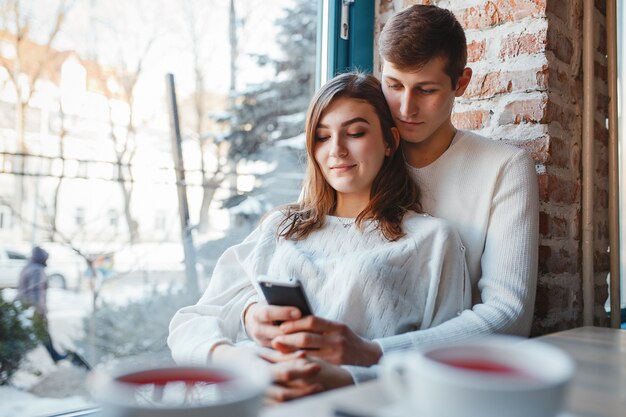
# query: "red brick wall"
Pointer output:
{"type": "Point", "coordinates": [527, 90]}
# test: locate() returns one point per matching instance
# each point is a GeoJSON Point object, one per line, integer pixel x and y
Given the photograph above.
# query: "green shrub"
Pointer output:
{"type": "Point", "coordinates": [20, 331]}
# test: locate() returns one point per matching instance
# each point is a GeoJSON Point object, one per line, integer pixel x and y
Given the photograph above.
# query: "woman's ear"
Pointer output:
{"type": "Point", "coordinates": [396, 141]}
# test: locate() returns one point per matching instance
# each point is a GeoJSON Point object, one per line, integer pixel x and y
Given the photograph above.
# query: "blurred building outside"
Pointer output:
{"type": "Point", "coordinates": [96, 133]}
{"type": "Point", "coordinates": [66, 134]}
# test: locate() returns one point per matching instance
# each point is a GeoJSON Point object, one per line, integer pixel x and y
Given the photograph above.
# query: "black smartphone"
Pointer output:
{"type": "Point", "coordinates": [281, 291]}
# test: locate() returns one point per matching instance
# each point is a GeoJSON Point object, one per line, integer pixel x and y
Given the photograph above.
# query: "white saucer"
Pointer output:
{"type": "Point", "coordinates": [402, 409]}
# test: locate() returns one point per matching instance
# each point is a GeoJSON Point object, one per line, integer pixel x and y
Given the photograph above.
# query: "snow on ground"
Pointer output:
{"type": "Point", "coordinates": [66, 312]}
{"type": "Point", "coordinates": [17, 403]}
{"type": "Point", "coordinates": [42, 388]}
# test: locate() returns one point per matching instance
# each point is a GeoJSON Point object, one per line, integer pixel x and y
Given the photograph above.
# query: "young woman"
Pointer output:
{"type": "Point", "coordinates": [366, 255]}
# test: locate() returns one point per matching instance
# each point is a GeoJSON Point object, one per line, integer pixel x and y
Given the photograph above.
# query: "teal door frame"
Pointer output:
{"type": "Point", "coordinates": [345, 37]}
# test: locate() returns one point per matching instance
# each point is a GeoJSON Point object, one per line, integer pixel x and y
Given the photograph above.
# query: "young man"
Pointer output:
{"type": "Point", "coordinates": [486, 189]}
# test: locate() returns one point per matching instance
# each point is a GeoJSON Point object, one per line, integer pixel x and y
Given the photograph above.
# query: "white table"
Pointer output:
{"type": "Point", "coordinates": [598, 388]}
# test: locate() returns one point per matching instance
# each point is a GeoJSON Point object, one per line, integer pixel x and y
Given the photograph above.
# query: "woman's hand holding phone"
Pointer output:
{"type": "Point", "coordinates": [328, 340]}
{"type": "Point", "coordinates": [301, 330]}
{"type": "Point", "coordinates": [325, 339]}
{"type": "Point", "coordinates": [260, 321]}
{"type": "Point", "coordinates": [286, 301]}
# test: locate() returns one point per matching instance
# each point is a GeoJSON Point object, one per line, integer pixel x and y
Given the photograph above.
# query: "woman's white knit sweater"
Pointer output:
{"type": "Point", "coordinates": [378, 288]}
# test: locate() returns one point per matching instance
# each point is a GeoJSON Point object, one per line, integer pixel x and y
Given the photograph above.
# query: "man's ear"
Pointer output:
{"type": "Point", "coordinates": [463, 82]}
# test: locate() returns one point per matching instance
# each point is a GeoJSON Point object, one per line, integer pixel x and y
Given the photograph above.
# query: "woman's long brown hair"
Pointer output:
{"type": "Point", "coordinates": [393, 191]}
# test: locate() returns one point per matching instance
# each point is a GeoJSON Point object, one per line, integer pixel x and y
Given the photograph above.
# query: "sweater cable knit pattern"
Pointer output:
{"type": "Point", "coordinates": [378, 288]}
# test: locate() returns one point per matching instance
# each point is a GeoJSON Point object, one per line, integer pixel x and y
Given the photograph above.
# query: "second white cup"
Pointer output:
{"type": "Point", "coordinates": [494, 376]}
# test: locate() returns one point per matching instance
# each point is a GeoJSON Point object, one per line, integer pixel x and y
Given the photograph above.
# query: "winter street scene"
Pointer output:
{"type": "Point", "coordinates": [277, 208]}
{"type": "Point", "coordinates": [138, 141]}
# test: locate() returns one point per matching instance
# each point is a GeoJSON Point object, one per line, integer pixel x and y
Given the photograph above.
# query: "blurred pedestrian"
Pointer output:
{"type": "Point", "coordinates": [33, 290]}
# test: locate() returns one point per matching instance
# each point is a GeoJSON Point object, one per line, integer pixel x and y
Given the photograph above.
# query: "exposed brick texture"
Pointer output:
{"type": "Point", "coordinates": [524, 111]}
{"type": "Point", "coordinates": [560, 10]}
{"type": "Point", "coordinates": [523, 44]}
{"type": "Point", "coordinates": [526, 56]}
{"type": "Point", "coordinates": [564, 154]}
{"type": "Point", "coordinates": [472, 120]}
{"type": "Point", "coordinates": [538, 148]}
{"type": "Point", "coordinates": [559, 225]}
{"type": "Point", "coordinates": [494, 13]}
{"type": "Point", "coordinates": [564, 116]}
{"type": "Point", "coordinates": [488, 85]}
{"type": "Point", "coordinates": [476, 50]}
{"type": "Point", "coordinates": [560, 44]}
{"type": "Point", "coordinates": [556, 298]}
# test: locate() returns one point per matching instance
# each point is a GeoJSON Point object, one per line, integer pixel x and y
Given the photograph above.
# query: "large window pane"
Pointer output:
{"type": "Point", "coordinates": [87, 169]}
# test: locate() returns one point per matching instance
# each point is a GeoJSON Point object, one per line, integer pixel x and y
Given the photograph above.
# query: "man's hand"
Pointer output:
{"type": "Point", "coordinates": [330, 376]}
{"type": "Point", "coordinates": [260, 319]}
{"type": "Point", "coordinates": [328, 340]}
{"type": "Point", "coordinates": [292, 374]}
{"type": "Point", "coordinates": [297, 375]}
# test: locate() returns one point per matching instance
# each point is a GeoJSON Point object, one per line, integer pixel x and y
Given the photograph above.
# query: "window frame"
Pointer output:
{"type": "Point", "coordinates": [335, 54]}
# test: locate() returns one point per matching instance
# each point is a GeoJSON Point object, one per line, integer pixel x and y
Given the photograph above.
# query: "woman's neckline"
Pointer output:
{"type": "Point", "coordinates": [346, 222]}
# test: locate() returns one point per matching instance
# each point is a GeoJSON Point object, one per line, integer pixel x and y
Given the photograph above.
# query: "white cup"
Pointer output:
{"type": "Point", "coordinates": [181, 391]}
{"type": "Point", "coordinates": [495, 376]}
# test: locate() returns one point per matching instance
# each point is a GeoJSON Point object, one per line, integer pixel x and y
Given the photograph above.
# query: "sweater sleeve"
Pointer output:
{"type": "Point", "coordinates": [509, 266]}
{"type": "Point", "coordinates": [215, 319]}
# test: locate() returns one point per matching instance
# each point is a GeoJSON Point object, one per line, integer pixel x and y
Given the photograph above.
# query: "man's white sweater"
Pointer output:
{"type": "Point", "coordinates": [378, 288]}
{"type": "Point", "coordinates": [488, 191]}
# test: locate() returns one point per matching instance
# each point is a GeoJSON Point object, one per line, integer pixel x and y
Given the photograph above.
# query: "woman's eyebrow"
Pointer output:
{"type": "Point", "coordinates": [346, 123]}
{"type": "Point", "coordinates": [354, 120]}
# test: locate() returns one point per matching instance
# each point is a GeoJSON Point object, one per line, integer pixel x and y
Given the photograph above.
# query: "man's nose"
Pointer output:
{"type": "Point", "coordinates": [408, 104]}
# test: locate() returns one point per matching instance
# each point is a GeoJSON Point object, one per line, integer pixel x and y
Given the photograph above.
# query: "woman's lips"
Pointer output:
{"type": "Point", "coordinates": [342, 167]}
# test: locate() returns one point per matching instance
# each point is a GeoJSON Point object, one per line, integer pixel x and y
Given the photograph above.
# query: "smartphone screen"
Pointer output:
{"type": "Point", "coordinates": [285, 292]}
